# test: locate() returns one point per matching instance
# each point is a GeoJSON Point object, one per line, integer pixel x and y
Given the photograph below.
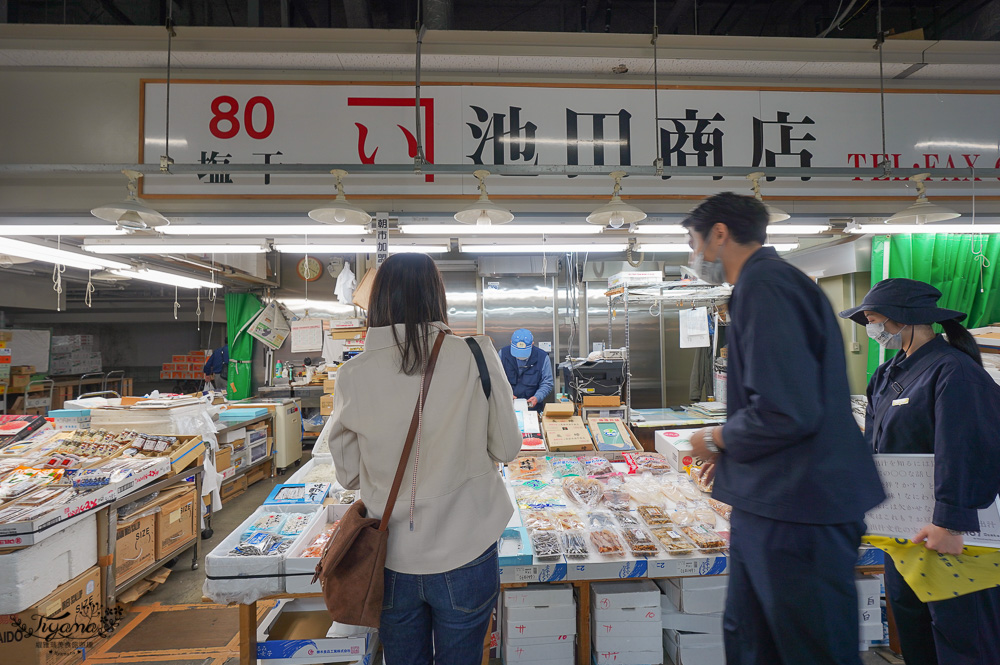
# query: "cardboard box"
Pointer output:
{"type": "Point", "coordinates": [539, 595]}
{"type": "Point", "coordinates": [295, 632]}
{"type": "Point", "coordinates": [232, 488]}
{"type": "Point", "coordinates": [75, 609]}
{"type": "Point", "coordinates": [693, 648]}
{"type": "Point", "coordinates": [329, 385]}
{"type": "Point", "coordinates": [566, 434]}
{"type": "Point", "coordinates": [559, 410]}
{"type": "Point", "coordinates": [869, 592]}
{"type": "Point", "coordinates": [135, 546]}
{"type": "Point", "coordinates": [624, 595]}
{"type": "Point", "coordinates": [697, 595]}
{"type": "Point", "coordinates": [176, 522]}
{"type": "Point", "coordinates": [349, 333]}
{"type": "Point", "coordinates": [607, 657]}
{"type": "Point", "coordinates": [675, 445]}
{"type": "Point", "coordinates": [604, 631]}
{"type": "Point", "coordinates": [326, 405]}
{"type": "Point", "coordinates": [649, 642]}
{"type": "Point", "coordinates": [631, 614]}
{"type": "Point", "coordinates": [560, 651]}
{"type": "Point", "coordinates": [19, 381]}
{"type": "Point", "coordinates": [22, 370]}
{"type": "Point", "coordinates": [551, 612]}
{"type": "Point", "coordinates": [870, 631]}
{"type": "Point", "coordinates": [603, 401]}
{"type": "Point", "coordinates": [610, 434]}
{"type": "Point", "coordinates": [674, 619]}
{"type": "Point", "coordinates": [223, 458]}
{"type": "Point", "coordinates": [553, 628]}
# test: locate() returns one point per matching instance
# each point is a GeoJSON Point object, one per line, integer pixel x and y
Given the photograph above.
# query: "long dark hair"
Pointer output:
{"type": "Point", "coordinates": [408, 289]}
{"type": "Point", "coordinates": [962, 339]}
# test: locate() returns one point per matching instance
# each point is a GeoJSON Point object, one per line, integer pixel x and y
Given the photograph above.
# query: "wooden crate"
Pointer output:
{"type": "Point", "coordinates": [233, 488]}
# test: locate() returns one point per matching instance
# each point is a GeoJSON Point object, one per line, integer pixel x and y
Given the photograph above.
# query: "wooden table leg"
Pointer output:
{"type": "Point", "coordinates": [583, 623]}
{"type": "Point", "coordinates": [248, 634]}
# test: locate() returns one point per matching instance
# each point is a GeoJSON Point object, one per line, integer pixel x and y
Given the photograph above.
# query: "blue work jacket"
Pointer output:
{"type": "Point", "coordinates": [939, 401]}
{"type": "Point", "coordinates": [793, 450]}
{"type": "Point", "coordinates": [536, 378]}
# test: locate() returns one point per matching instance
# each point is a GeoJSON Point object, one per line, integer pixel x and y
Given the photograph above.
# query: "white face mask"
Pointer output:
{"type": "Point", "coordinates": [882, 336]}
{"type": "Point", "coordinates": [713, 273]}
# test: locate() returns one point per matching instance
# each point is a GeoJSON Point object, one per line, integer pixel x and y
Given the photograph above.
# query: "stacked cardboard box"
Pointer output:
{"type": "Point", "coordinates": [870, 610]}
{"type": "Point", "coordinates": [74, 354]}
{"type": "Point", "coordinates": [188, 367]}
{"type": "Point", "coordinates": [692, 619]}
{"type": "Point", "coordinates": [626, 625]}
{"type": "Point", "coordinates": [565, 431]}
{"type": "Point", "coordinates": [21, 376]}
{"type": "Point", "coordinates": [539, 624]}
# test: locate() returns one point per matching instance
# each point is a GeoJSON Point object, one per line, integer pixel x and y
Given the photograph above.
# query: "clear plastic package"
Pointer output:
{"type": "Point", "coordinates": [546, 544]}
{"type": "Point", "coordinates": [672, 541]}
{"type": "Point", "coordinates": [639, 542]}
{"type": "Point", "coordinates": [574, 544]}
{"type": "Point", "coordinates": [607, 542]}
{"type": "Point", "coordinates": [565, 467]}
{"type": "Point", "coordinates": [584, 491]}
{"type": "Point", "coordinates": [653, 515]}
{"type": "Point", "coordinates": [707, 540]}
{"type": "Point", "coordinates": [617, 499]}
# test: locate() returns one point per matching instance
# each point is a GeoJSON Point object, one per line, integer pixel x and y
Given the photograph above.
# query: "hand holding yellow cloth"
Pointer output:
{"type": "Point", "coordinates": [934, 576]}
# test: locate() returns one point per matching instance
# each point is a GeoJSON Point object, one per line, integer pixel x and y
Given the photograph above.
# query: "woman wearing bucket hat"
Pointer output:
{"type": "Point", "coordinates": [934, 397]}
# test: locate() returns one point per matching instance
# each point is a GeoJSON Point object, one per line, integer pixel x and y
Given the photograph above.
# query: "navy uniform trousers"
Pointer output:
{"type": "Point", "coordinates": [961, 631]}
{"type": "Point", "coordinates": [792, 598]}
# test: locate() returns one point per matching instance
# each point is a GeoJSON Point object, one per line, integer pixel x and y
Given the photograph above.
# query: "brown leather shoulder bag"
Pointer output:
{"type": "Point", "coordinates": [352, 569]}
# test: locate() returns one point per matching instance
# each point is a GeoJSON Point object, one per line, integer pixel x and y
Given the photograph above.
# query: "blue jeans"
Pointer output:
{"type": "Point", "coordinates": [441, 618]}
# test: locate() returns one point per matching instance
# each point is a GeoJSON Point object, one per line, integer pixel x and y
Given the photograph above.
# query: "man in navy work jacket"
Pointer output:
{"type": "Point", "coordinates": [217, 368]}
{"type": "Point", "coordinates": [528, 368]}
{"type": "Point", "coordinates": [790, 460]}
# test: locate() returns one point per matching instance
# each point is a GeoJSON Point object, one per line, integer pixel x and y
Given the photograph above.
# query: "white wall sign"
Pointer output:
{"type": "Point", "coordinates": [381, 238]}
{"type": "Point", "coordinates": [267, 123]}
{"type": "Point", "coordinates": [909, 483]}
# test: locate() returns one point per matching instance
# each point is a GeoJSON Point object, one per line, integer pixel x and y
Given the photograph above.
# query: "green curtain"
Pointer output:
{"type": "Point", "coordinates": [962, 267]}
{"type": "Point", "coordinates": [240, 310]}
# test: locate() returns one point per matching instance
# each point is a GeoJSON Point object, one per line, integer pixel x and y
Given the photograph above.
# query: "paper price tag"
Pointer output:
{"type": "Point", "coordinates": [526, 574]}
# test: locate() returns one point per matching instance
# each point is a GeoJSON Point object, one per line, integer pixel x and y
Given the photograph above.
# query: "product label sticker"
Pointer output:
{"type": "Point", "coordinates": [901, 402]}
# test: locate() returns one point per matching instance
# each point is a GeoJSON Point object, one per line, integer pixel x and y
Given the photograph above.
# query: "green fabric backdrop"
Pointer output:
{"type": "Point", "coordinates": [946, 261]}
{"type": "Point", "coordinates": [240, 310]}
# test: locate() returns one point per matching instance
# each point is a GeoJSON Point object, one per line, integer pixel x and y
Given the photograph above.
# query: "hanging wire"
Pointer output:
{"type": "Point", "coordinates": [198, 311]}
{"type": "Point", "coordinates": [656, 96]}
{"type": "Point", "coordinates": [418, 159]}
{"type": "Point", "coordinates": [879, 43]}
{"type": "Point", "coordinates": [57, 271]}
{"type": "Point", "coordinates": [88, 294]}
{"type": "Point", "coordinates": [170, 35]}
{"type": "Point", "coordinates": [177, 305]}
{"type": "Point", "coordinates": [211, 293]}
{"type": "Point", "coordinates": [979, 241]}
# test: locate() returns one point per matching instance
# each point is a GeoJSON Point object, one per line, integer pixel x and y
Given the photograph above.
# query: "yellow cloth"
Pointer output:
{"type": "Point", "coordinates": [934, 576]}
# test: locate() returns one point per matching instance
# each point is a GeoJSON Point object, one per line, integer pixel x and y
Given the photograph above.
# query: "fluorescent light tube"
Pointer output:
{"type": "Point", "coordinates": [545, 248]}
{"type": "Point", "coordinates": [890, 229]}
{"type": "Point", "coordinates": [772, 229]}
{"type": "Point", "coordinates": [506, 229]}
{"type": "Point", "coordinates": [677, 247]}
{"type": "Point", "coordinates": [783, 247]}
{"type": "Point", "coordinates": [357, 248]}
{"type": "Point", "coordinates": [46, 230]}
{"type": "Point", "coordinates": [152, 247]}
{"type": "Point", "coordinates": [48, 254]}
{"type": "Point", "coordinates": [661, 230]}
{"type": "Point", "coordinates": [264, 230]}
{"type": "Point", "coordinates": [167, 278]}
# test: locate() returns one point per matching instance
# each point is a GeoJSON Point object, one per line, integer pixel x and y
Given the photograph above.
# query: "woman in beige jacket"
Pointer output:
{"type": "Point", "coordinates": [442, 576]}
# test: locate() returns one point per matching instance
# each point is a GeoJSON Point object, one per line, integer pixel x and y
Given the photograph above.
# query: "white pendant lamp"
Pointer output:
{"type": "Point", "coordinates": [483, 212]}
{"type": "Point", "coordinates": [341, 210]}
{"type": "Point", "coordinates": [132, 214]}
{"type": "Point", "coordinates": [922, 211]}
{"type": "Point", "coordinates": [616, 213]}
{"type": "Point", "coordinates": [774, 213]}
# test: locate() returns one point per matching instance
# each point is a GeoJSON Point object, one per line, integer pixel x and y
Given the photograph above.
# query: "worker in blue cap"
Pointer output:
{"type": "Point", "coordinates": [528, 368]}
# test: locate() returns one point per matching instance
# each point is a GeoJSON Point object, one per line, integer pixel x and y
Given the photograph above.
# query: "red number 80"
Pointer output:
{"type": "Point", "coordinates": [229, 116]}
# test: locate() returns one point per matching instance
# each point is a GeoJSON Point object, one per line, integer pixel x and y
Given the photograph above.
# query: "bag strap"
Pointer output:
{"type": "Point", "coordinates": [484, 372]}
{"type": "Point", "coordinates": [411, 435]}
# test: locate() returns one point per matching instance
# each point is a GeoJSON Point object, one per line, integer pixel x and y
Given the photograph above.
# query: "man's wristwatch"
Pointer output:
{"type": "Point", "coordinates": [956, 533]}
{"type": "Point", "coordinates": [710, 441]}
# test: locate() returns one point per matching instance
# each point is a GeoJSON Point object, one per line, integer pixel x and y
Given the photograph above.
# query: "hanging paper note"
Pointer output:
{"type": "Point", "coordinates": [307, 335]}
{"type": "Point", "coordinates": [694, 328]}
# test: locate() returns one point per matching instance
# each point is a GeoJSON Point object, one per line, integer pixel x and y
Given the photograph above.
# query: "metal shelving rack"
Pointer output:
{"type": "Point", "coordinates": [671, 294]}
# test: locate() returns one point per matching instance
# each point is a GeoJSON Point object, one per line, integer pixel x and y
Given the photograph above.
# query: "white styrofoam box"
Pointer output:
{"type": "Point", "coordinates": [693, 596]}
{"type": "Point", "coordinates": [246, 579]}
{"type": "Point", "coordinates": [628, 657]}
{"type": "Point", "coordinates": [631, 614]}
{"type": "Point", "coordinates": [870, 631]}
{"type": "Point", "coordinates": [685, 649]}
{"type": "Point", "coordinates": [614, 629]}
{"type": "Point", "coordinates": [869, 592]}
{"type": "Point", "coordinates": [299, 569]}
{"type": "Point", "coordinates": [539, 595]}
{"type": "Point", "coordinates": [620, 595]}
{"type": "Point", "coordinates": [316, 649]}
{"type": "Point", "coordinates": [635, 643]}
{"type": "Point", "coordinates": [516, 652]}
{"type": "Point", "coordinates": [675, 445]}
{"type": "Point", "coordinates": [541, 613]}
{"type": "Point", "coordinates": [674, 619]}
{"type": "Point", "coordinates": [535, 641]}
{"type": "Point", "coordinates": [233, 435]}
{"type": "Point", "coordinates": [31, 573]}
{"type": "Point", "coordinates": [556, 628]}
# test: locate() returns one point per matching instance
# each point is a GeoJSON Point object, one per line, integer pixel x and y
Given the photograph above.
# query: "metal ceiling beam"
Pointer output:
{"type": "Point", "coordinates": [498, 169]}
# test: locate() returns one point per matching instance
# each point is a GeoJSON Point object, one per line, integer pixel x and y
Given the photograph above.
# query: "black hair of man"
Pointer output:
{"type": "Point", "coordinates": [745, 216]}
